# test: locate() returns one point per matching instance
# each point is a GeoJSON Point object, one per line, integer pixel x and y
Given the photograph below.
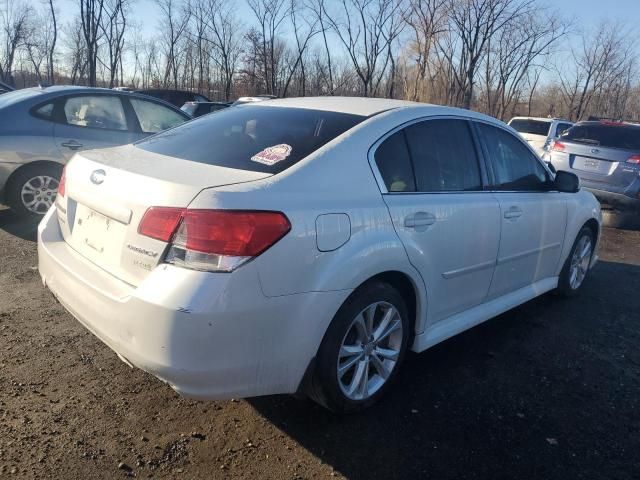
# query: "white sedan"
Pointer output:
{"type": "Point", "coordinates": [303, 245]}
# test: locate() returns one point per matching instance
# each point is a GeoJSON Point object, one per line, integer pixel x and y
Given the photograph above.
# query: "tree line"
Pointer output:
{"type": "Point", "coordinates": [501, 57]}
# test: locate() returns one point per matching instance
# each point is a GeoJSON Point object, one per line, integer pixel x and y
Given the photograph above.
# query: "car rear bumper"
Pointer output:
{"type": "Point", "coordinates": [210, 336]}
{"type": "Point", "coordinates": [616, 199]}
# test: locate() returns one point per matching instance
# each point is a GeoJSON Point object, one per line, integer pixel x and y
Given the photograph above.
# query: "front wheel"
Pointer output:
{"type": "Point", "coordinates": [576, 267]}
{"type": "Point", "coordinates": [362, 349]}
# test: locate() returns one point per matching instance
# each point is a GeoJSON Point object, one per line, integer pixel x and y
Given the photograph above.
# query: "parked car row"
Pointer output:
{"type": "Point", "coordinates": [42, 128]}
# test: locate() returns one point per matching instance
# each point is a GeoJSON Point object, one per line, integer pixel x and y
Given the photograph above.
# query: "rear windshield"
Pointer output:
{"type": "Point", "coordinates": [259, 139]}
{"type": "Point", "coordinates": [612, 136]}
{"type": "Point", "coordinates": [532, 127]}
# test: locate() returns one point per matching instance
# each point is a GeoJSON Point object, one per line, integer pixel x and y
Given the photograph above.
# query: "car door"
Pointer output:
{"type": "Point", "coordinates": [449, 226]}
{"type": "Point", "coordinates": [533, 217]}
{"type": "Point", "coordinates": [90, 121]}
{"type": "Point", "coordinates": [153, 117]}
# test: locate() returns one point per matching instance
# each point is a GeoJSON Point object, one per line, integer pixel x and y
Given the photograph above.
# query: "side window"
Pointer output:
{"type": "Point", "coordinates": [45, 111]}
{"type": "Point", "coordinates": [515, 167]}
{"type": "Point", "coordinates": [154, 117]}
{"type": "Point", "coordinates": [562, 127]}
{"type": "Point", "coordinates": [394, 163]}
{"type": "Point", "coordinates": [444, 157]}
{"type": "Point", "coordinates": [95, 111]}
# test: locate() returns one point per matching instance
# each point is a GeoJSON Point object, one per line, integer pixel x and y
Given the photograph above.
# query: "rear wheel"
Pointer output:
{"type": "Point", "coordinates": [32, 190]}
{"type": "Point", "coordinates": [576, 267]}
{"type": "Point", "coordinates": [362, 350]}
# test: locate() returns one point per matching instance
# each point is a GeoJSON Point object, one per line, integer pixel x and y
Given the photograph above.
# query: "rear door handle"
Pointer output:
{"type": "Point", "coordinates": [72, 144]}
{"type": "Point", "coordinates": [420, 220]}
{"type": "Point", "coordinates": [513, 212]}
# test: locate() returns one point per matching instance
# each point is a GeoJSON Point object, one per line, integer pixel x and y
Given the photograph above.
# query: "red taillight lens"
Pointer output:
{"type": "Point", "coordinates": [62, 183]}
{"type": "Point", "coordinates": [160, 222]}
{"type": "Point", "coordinates": [558, 146]}
{"type": "Point", "coordinates": [231, 232]}
{"type": "Point", "coordinates": [635, 159]}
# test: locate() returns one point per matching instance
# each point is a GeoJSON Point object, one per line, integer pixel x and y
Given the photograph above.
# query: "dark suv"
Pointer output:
{"type": "Point", "coordinates": [606, 157]}
{"type": "Point", "coordinates": [174, 97]}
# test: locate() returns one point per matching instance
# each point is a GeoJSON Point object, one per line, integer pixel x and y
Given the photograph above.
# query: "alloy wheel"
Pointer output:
{"type": "Point", "coordinates": [38, 193]}
{"type": "Point", "coordinates": [580, 262]}
{"type": "Point", "coordinates": [369, 351]}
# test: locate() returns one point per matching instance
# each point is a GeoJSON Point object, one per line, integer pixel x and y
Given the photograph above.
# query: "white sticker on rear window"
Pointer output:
{"type": "Point", "coordinates": [272, 155]}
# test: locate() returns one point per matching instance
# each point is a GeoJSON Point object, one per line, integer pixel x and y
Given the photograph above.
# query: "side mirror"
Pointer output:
{"type": "Point", "coordinates": [566, 182]}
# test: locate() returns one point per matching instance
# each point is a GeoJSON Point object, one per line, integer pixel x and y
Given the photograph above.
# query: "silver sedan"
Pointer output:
{"type": "Point", "coordinates": [42, 128]}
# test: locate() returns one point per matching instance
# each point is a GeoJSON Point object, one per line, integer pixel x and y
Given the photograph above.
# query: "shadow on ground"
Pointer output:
{"type": "Point", "coordinates": [25, 228]}
{"type": "Point", "coordinates": [548, 390]}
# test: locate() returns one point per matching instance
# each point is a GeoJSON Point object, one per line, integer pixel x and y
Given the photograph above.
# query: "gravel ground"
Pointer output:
{"type": "Point", "coordinates": [548, 390]}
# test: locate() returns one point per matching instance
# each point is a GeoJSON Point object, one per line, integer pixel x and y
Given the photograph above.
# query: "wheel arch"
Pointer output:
{"type": "Point", "coordinates": [5, 191]}
{"type": "Point", "coordinates": [412, 292]}
{"type": "Point", "coordinates": [29, 166]}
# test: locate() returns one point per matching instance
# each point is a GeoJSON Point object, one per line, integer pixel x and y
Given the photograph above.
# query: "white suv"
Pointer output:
{"type": "Point", "coordinates": [539, 132]}
{"type": "Point", "coordinates": [306, 244]}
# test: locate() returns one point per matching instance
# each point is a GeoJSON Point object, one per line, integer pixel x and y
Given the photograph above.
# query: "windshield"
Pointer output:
{"type": "Point", "coordinates": [532, 127]}
{"type": "Point", "coordinates": [259, 139]}
{"type": "Point", "coordinates": [626, 137]}
{"type": "Point", "coordinates": [16, 96]}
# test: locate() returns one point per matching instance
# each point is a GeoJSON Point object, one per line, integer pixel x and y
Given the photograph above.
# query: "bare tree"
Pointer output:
{"type": "Point", "coordinates": [512, 53]}
{"type": "Point", "coordinates": [270, 14]}
{"type": "Point", "coordinates": [427, 20]}
{"type": "Point", "coordinates": [602, 57]}
{"type": "Point", "coordinates": [473, 23]}
{"type": "Point", "coordinates": [174, 22]}
{"type": "Point", "coordinates": [113, 29]}
{"type": "Point", "coordinates": [366, 28]}
{"type": "Point", "coordinates": [226, 35]}
{"type": "Point", "coordinates": [52, 44]}
{"type": "Point", "coordinates": [14, 23]}
{"type": "Point", "coordinates": [91, 12]}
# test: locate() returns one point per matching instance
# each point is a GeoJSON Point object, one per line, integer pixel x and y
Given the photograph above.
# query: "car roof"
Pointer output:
{"type": "Point", "coordinates": [353, 105]}
{"type": "Point", "coordinates": [543, 119]}
{"type": "Point", "coordinates": [609, 123]}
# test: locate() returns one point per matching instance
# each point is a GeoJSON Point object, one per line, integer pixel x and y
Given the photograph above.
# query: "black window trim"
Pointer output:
{"type": "Point", "coordinates": [133, 124]}
{"type": "Point", "coordinates": [484, 178]}
{"type": "Point", "coordinates": [493, 184]}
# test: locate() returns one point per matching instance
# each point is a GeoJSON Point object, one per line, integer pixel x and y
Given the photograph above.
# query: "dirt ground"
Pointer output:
{"type": "Point", "coordinates": [549, 390]}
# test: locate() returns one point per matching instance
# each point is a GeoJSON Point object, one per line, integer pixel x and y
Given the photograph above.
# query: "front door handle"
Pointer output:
{"type": "Point", "coordinates": [420, 220]}
{"type": "Point", "coordinates": [72, 144]}
{"type": "Point", "coordinates": [513, 212]}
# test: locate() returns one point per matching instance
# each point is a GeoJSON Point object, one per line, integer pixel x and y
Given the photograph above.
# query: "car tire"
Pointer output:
{"type": "Point", "coordinates": [377, 302]}
{"type": "Point", "coordinates": [29, 179]}
{"type": "Point", "coordinates": [576, 267]}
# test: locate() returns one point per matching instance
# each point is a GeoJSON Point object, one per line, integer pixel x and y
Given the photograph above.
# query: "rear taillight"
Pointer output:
{"type": "Point", "coordinates": [160, 222]}
{"type": "Point", "coordinates": [635, 159]}
{"type": "Point", "coordinates": [214, 240]}
{"type": "Point", "coordinates": [558, 146]}
{"type": "Point", "coordinates": [62, 183]}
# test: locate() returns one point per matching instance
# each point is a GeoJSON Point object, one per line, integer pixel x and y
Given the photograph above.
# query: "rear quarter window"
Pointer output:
{"type": "Point", "coordinates": [259, 139]}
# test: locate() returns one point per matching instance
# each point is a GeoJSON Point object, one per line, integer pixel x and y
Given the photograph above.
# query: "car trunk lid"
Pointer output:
{"type": "Point", "coordinates": [597, 164]}
{"type": "Point", "coordinates": [107, 193]}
